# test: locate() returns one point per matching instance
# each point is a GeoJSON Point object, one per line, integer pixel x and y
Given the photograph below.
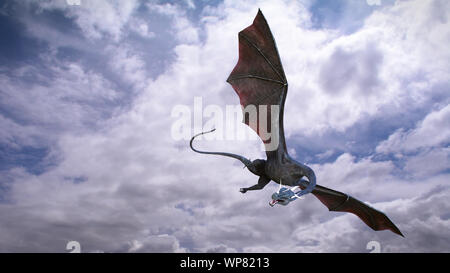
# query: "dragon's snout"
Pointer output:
{"type": "Point", "coordinates": [273, 202]}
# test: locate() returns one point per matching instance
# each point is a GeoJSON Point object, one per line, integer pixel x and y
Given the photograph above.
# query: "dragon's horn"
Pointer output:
{"type": "Point", "coordinates": [279, 188]}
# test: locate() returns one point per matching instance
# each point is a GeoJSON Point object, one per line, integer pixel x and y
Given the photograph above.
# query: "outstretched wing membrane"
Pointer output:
{"type": "Point", "coordinates": [338, 201]}
{"type": "Point", "coordinates": [259, 80]}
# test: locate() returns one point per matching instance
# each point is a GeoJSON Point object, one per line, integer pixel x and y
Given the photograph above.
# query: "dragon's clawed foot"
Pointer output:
{"type": "Point", "coordinates": [243, 190]}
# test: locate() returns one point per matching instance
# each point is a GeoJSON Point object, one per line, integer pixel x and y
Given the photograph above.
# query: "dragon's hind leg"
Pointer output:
{"type": "Point", "coordinates": [262, 182]}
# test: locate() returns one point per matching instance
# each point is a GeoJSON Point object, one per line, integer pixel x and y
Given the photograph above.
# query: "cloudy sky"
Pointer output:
{"type": "Point", "coordinates": [88, 153]}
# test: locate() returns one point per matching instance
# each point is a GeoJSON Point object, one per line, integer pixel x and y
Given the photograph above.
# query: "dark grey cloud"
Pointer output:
{"type": "Point", "coordinates": [352, 69]}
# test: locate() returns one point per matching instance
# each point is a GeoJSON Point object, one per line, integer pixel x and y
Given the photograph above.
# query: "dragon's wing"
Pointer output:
{"type": "Point", "coordinates": [259, 80]}
{"type": "Point", "coordinates": [338, 201]}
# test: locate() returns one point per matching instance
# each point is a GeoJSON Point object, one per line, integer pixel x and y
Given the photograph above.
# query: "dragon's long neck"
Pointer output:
{"type": "Point", "coordinates": [244, 160]}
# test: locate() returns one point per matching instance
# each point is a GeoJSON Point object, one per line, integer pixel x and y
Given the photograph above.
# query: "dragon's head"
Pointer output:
{"type": "Point", "coordinates": [282, 197]}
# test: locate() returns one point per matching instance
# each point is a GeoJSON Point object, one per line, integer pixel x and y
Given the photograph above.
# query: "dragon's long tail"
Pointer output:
{"type": "Point", "coordinates": [244, 160]}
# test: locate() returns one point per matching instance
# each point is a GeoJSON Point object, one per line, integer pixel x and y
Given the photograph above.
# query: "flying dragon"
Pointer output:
{"type": "Point", "coordinates": [259, 80]}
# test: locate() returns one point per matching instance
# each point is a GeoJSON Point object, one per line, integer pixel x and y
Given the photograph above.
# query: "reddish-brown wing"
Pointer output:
{"type": "Point", "coordinates": [338, 201]}
{"type": "Point", "coordinates": [259, 80]}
